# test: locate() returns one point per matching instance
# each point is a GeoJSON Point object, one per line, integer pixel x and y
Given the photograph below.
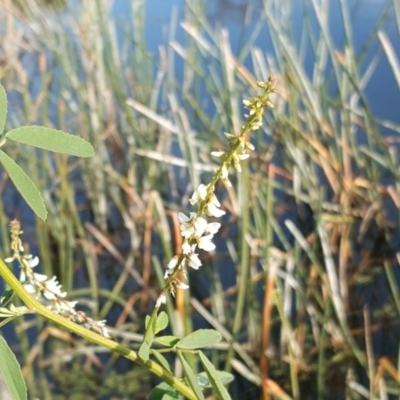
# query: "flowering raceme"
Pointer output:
{"type": "Point", "coordinates": [195, 229]}
{"type": "Point", "coordinates": [47, 290]}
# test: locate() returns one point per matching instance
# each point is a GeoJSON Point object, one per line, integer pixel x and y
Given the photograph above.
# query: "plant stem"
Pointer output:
{"type": "Point", "coordinates": [93, 337]}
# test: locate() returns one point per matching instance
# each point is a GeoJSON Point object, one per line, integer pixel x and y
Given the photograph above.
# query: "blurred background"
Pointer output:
{"type": "Point", "coordinates": [304, 284]}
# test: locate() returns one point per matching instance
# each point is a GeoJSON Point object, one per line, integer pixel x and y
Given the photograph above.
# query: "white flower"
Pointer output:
{"type": "Point", "coordinates": [230, 136]}
{"type": "Point", "coordinates": [199, 195]}
{"type": "Point", "coordinates": [194, 261]}
{"type": "Point", "coordinates": [52, 289]}
{"type": "Point", "coordinates": [62, 307]}
{"type": "Point", "coordinates": [27, 263]}
{"type": "Point", "coordinates": [200, 225]}
{"type": "Point", "coordinates": [32, 261]}
{"type": "Point", "coordinates": [212, 207]}
{"type": "Point", "coordinates": [205, 243]}
{"type": "Point", "coordinates": [224, 172]}
{"type": "Point", "coordinates": [167, 273]}
{"type": "Point", "coordinates": [212, 228]}
{"type": "Point", "coordinates": [236, 160]}
{"type": "Point", "coordinates": [188, 248]}
{"type": "Point", "coordinates": [256, 125]}
{"type": "Point", "coordinates": [162, 299]}
{"type": "Point", "coordinates": [39, 277]}
{"type": "Point", "coordinates": [182, 285]}
{"type": "Point", "coordinates": [224, 176]}
{"type": "Point", "coordinates": [192, 225]}
{"type": "Point", "coordinates": [218, 153]}
{"type": "Point", "coordinates": [31, 289]}
{"type": "Point", "coordinates": [186, 224]}
{"type": "Point", "coordinates": [173, 263]}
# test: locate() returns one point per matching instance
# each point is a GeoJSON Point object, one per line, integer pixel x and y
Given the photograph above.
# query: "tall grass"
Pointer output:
{"type": "Point", "coordinates": [304, 287]}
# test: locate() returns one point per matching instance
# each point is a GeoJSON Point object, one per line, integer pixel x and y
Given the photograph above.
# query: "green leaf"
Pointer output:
{"type": "Point", "coordinates": [168, 340]}
{"type": "Point", "coordinates": [3, 108]}
{"type": "Point", "coordinates": [224, 377]}
{"type": "Point", "coordinates": [190, 376]}
{"type": "Point", "coordinates": [162, 322]}
{"type": "Point", "coordinates": [163, 391]}
{"type": "Point", "coordinates": [11, 372]}
{"type": "Point", "coordinates": [6, 296]}
{"type": "Point", "coordinates": [199, 339]}
{"type": "Point", "coordinates": [161, 360]}
{"type": "Point", "coordinates": [24, 185]}
{"type": "Point", "coordinates": [51, 139]}
{"type": "Point", "coordinates": [144, 351]}
{"type": "Point", "coordinates": [219, 389]}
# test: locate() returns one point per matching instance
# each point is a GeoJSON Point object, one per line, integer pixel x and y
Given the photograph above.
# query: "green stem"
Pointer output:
{"type": "Point", "coordinates": [93, 337]}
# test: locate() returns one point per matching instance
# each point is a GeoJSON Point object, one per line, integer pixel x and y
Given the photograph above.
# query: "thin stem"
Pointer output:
{"type": "Point", "coordinates": [93, 337]}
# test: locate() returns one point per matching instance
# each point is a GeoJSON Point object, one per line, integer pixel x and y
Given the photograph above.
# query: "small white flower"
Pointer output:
{"type": "Point", "coordinates": [173, 263]}
{"type": "Point", "coordinates": [186, 224]}
{"type": "Point", "coordinates": [200, 225]}
{"type": "Point", "coordinates": [188, 248]}
{"type": "Point", "coordinates": [236, 163]}
{"type": "Point", "coordinates": [182, 285]}
{"type": "Point", "coordinates": [192, 225]}
{"type": "Point", "coordinates": [162, 299]}
{"type": "Point", "coordinates": [224, 172]}
{"type": "Point", "coordinates": [32, 261]}
{"type": "Point", "coordinates": [256, 125]}
{"type": "Point", "coordinates": [39, 277]}
{"type": "Point", "coordinates": [230, 136]}
{"type": "Point", "coordinates": [199, 195]}
{"type": "Point", "coordinates": [65, 308]}
{"type": "Point", "coordinates": [22, 276]}
{"type": "Point", "coordinates": [31, 289]}
{"type": "Point", "coordinates": [213, 227]}
{"type": "Point", "coordinates": [194, 261]}
{"type": "Point", "coordinates": [212, 208]}
{"type": "Point", "coordinates": [205, 243]}
{"type": "Point", "coordinates": [167, 273]}
{"type": "Point", "coordinates": [224, 176]}
{"type": "Point", "coordinates": [52, 289]}
{"type": "Point", "coordinates": [218, 153]}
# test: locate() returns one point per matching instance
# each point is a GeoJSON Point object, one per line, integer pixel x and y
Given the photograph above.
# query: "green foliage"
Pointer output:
{"type": "Point", "coordinates": [11, 372]}
{"type": "Point", "coordinates": [6, 297]}
{"type": "Point", "coordinates": [161, 322]}
{"type": "Point", "coordinates": [163, 391]}
{"type": "Point", "coordinates": [52, 140]}
{"type": "Point", "coordinates": [215, 380]}
{"type": "Point", "coordinates": [3, 108]}
{"type": "Point", "coordinates": [40, 137]}
{"type": "Point", "coordinates": [190, 343]}
{"type": "Point", "coordinates": [161, 360]}
{"type": "Point", "coordinates": [47, 139]}
{"type": "Point", "coordinates": [168, 341]}
{"type": "Point", "coordinates": [224, 377]}
{"type": "Point", "coordinates": [24, 185]}
{"type": "Point", "coordinates": [199, 339]}
{"type": "Point", "coordinates": [190, 376]}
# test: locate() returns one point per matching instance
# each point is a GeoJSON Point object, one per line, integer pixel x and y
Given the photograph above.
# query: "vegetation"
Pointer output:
{"type": "Point", "coordinates": [304, 283]}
